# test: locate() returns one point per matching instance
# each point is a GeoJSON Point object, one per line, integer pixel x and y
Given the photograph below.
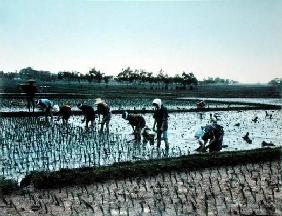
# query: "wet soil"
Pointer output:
{"type": "Point", "coordinates": [247, 189]}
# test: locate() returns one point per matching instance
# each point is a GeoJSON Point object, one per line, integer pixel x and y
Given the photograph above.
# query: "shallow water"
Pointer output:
{"type": "Point", "coordinates": [28, 144]}
{"type": "Point", "coordinates": [272, 101]}
{"type": "Point", "coordinates": [182, 128]}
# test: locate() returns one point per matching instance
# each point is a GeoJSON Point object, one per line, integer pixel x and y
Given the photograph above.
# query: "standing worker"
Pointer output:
{"type": "Point", "coordinates": [104, 110]}
{"type": "Point", "coordinates": [29, 89]}
{"type": "Point", "coordinates": [88, 112]}
{"type": "Point", "coordinates": [137, 123]}
{"type": "Point", "coordinates": [161, 120]}
{"type": "Point", "coordinates": [46, 105]}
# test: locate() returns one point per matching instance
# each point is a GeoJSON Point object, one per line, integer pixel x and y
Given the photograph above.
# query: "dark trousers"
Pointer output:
{"type": "Point", "coordinates": [216, 145]}
{"type": "Point", "coordinates": [159, 137]}
{"type": "Point", "coordinates": [30, 103]}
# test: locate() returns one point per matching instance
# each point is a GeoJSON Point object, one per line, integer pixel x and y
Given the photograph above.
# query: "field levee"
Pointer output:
{"type": "Point", "coordinates": [144, 111]}
{"type": "Point", "coordinates": [89, 175]}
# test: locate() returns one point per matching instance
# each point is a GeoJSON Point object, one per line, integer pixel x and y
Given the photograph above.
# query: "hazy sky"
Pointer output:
{"type": "Point", "coordinates": [240, 40]}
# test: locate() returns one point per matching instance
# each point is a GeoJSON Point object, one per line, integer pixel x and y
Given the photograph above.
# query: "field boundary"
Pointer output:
{"type": "Point", "coordinates": [195, 100]}
{"type": "Point", "coordinates": [214, 109]}
{"type": "Point", "coordinates": [118, 171]}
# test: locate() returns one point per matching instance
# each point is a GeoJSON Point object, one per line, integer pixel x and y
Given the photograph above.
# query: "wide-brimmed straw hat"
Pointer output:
{"type": "Point", "coordinates": [31, 81]}
{"type": "Point", "coordinates": [98, 101]}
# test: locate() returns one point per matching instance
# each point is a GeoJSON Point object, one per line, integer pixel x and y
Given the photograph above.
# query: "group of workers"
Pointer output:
{"type": "Point", "coordinates": [137, 121]}
{"type": "Point", "coordinates": [211, 132]}
{"type": "Point", "coordinates": [89, 114]}
{"type": "Point", "coordinates": [65, 111]}
{"type": "Point", "coordinates": [160, 125]}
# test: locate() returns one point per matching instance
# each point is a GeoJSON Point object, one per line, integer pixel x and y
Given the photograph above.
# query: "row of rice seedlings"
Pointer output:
{"type": "Point", "coordinates": [250, 189]}
{"type": "Point", "coordinates": [29, 144]}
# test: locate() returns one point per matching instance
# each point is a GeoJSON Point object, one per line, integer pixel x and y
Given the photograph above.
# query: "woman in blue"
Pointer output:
{"type": "Point", "coordinates": [161, 120]}
{"type": "Point", "coordinates": [46, 105]}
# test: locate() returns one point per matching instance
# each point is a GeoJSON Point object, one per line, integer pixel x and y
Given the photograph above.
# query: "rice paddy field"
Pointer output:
{"type": "Point", "coordinates": [30, 144]}
{"type": "Point", "coordinates": [138, 103]}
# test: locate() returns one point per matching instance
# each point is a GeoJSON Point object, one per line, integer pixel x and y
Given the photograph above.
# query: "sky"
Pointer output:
{"type": "Point", "coordinates": [234, 39]}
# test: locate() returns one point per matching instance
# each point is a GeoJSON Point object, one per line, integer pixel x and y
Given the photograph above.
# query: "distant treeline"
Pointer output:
{"type": "Point", "coordinates": [126, 75]}
{"type": "Point", "coordinates": [136, 81]}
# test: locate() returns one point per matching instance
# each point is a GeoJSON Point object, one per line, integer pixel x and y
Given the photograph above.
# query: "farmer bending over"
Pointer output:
{"type": "Point", "coordinates": [89, 114]}
{"type": "Point", "coordinates": [137, 123]}
{"type": "Point", "coordinates": [161, 117]}
{"type": "Point", "coordinates": [104, 110]}
{"type": "Point", "coordinates": [200, 105]}
{"type": "Point", "coordinates": [65, 113]}
{"type": "Point", "coordinates": [214, 133]}
{"type": "Point", "coordinates": [46, 106]}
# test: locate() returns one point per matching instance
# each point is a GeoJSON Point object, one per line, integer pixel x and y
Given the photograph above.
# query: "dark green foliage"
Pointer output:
{"type": "Point", "coordinates": [217, 80]}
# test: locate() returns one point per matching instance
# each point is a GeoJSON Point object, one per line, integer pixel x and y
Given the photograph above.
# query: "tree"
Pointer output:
{"type": "Point", "coordinates": [107, 78]}
{"type": "Point", "coordinates": [188, 79]}
{"type": "Point", "coordinates": [29, 72]}
{"type": "Point", "coordinates": [96, 75]}
{"type": "Point", "coordinates": [161, 76]}
{"type": "Point", "coordinates": [8, 75]}
{"type": "Point", "coordinates": [125, 75]}
{"type": "Point", "coordinates": [218, 80]}
{"type": "Point", "coordinates": [275, 81]}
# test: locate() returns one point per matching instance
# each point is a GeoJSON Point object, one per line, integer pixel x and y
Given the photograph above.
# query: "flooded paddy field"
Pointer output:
{"type": "Point", "coordinates": [273, 101]}
{"type": "Point", "coordinates": [246, 189]}
{"type": "Point", "coordinates": [17, 104]}
{"type": "Point", "coordinates": [29, 144]}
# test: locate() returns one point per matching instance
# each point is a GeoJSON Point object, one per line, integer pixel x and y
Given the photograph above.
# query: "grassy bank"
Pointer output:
{"type": "Point", "coordinates": [8, 186]}
{"type": "Point", "coordinates": [89, 175]}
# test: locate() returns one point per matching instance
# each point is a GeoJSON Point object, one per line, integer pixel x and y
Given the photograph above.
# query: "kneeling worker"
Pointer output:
{"type": "Point", "coordinates": [214, 133]}
{"type": "Point", "coordinates": [137, 123]}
